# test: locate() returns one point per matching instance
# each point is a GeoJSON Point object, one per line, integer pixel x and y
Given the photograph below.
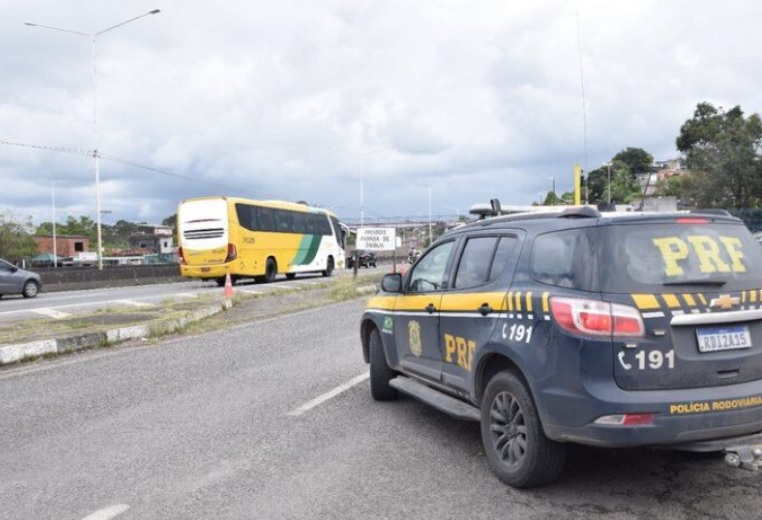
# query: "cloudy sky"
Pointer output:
{"type": "Point", "coordinates": [312, 99]}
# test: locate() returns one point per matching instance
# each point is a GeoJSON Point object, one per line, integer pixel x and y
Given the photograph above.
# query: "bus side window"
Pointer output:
{"type": "Point", "coordinates": [253, 220]}
{"type": "Point", "coordinates": [324, 227]}
{"type": "Point", "coordinates": [282, 221]}
{"type": "Point", "coordinates": [298, 222]}
{"type": "Point", "coordinates": [245, 214]}
{"type": "Point", "coordinates": [310, 222]}
{"type": "Point", "coordinates": [265, 219]}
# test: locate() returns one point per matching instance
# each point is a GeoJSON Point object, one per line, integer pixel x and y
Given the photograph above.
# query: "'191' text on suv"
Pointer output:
{"type": "Point", "coordinates": [612, 330]}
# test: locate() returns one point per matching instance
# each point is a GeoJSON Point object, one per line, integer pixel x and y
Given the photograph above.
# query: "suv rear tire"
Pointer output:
{"type": "Point", "coordinates": [517, 449]}
{"type": "Point", "coordinates": [380, 373]}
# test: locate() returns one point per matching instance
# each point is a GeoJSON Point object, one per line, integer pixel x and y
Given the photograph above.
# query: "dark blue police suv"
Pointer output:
{"type": "Point", "coordinates": [605, 329]}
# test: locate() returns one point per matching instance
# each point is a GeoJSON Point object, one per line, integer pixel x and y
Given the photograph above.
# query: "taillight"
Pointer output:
{"type": "Point", "coordinates": [597, 318]}
{"type": "Point", "coordinates": [629, 419]}
{"type": "Point", "coordinates": [232, 253]}
{"type": "Point", "coordinates": [692, 220]}
{"type": "Point", "coordinates": [181, 255]}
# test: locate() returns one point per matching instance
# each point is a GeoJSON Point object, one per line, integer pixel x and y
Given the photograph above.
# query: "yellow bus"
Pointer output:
{"type": "Point", "coordinates": [256, 239]}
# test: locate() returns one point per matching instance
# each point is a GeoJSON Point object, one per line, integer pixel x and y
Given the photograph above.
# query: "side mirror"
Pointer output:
{"type": "Point", "coordinates": [392, 283]}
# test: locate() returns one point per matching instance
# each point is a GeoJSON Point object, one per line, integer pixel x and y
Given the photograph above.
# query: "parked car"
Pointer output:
{"type": "Point", "coordinates": [14, 280]}
{"type": "Point", "coordinates": [365, 259]}
{"type": "Point", "coordinates": [606, 329]}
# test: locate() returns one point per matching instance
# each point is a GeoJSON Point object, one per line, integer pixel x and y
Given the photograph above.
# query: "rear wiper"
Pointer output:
{"type": "Point", "coordinates": [705, 281]}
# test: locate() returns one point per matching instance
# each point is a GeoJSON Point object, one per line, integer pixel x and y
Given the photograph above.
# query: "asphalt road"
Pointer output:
{"type": "Point", "coordinates": [273, 420]}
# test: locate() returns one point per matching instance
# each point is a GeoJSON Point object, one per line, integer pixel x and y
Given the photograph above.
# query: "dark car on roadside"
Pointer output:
{"type": "Point", "coordinates": [14, 280]}
{"type": "Point", "coordinates": [613, 330]}
{"type": "Point", "coordinates": [364, 259]}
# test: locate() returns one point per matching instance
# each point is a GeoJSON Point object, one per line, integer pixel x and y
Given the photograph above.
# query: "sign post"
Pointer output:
{"type": "Point", "coordinates": [376, 239]}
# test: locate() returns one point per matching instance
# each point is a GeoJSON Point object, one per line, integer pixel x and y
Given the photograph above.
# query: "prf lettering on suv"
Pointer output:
{"type": "Point", "coordinates": [605, 329]}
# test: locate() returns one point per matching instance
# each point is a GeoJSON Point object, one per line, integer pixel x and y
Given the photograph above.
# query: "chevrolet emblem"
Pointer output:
{"type": "Point", "coordinates": [725, 302]}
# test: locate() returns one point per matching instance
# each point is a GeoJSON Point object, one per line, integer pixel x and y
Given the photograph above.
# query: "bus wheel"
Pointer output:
{"type": "Point", "coordinates": [270, 270]}
{"type": "Point", "coordinates": [329, 267]}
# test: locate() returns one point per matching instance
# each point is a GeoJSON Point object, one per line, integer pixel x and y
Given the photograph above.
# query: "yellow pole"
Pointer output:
{"type": "Point", "coordinates": [577, 185]}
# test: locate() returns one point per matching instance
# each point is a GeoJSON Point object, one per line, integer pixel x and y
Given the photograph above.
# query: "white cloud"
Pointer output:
{"type": "Point", "coordinates": [276, 99]}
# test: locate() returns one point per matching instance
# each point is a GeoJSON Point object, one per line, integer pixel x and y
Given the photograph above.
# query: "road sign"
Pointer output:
{"type": "Point", "coordinates": [376, 239]}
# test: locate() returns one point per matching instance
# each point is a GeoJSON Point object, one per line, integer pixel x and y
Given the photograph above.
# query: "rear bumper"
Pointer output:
{"type": "Point", "coordinates": [680, 417]}
{"type": "Point", "coordinates": [204, 271]}
{"type": "Point", "coordinates": [712, 431]}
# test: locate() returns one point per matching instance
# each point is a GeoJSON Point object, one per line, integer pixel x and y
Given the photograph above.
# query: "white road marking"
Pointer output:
{"type": "Point", "coordinates": [51, 313]}
{"type": "Point", "coordinates": [186, 295]}
{"type": "Point", "coordinates": [328, 395]}
{"type": "Point", "coordinates": [108, 513]}
{"type": "Point", "coordinates": [134, 303]}
{"type": "Point", "coordinates": [249, 291]}
{"type": "Point", "coordinates": [277, 286]}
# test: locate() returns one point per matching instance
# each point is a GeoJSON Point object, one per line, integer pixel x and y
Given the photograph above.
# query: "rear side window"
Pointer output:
{"type": "Point", "coordinates": [475, 262]}
{"type": "Point", "coordinates": [507, 251]}
{"type": "Point", "coordinates": [564, 259]}
{"type": "Point", "coordinates": [483, 260]}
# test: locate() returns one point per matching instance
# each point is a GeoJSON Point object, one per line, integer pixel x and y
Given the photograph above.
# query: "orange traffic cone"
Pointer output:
{"type": "Point", "coordinates": [228, 286]}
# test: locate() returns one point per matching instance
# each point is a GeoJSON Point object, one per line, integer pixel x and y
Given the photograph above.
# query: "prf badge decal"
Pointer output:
{"type": "Point", "coordinates": [414, 337]}
{"type": "Point", "coordinates": [388, 327]}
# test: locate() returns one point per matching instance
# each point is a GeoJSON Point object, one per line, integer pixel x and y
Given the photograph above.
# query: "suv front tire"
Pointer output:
{"type": "Point", "coordinates": [380, 373]}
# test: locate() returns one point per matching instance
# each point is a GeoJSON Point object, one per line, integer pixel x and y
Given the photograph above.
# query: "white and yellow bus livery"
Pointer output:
{"type": "Point", "coordinates": [256, 239]}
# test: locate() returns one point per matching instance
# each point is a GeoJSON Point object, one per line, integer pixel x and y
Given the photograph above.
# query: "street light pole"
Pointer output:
{"type": "Point", "coordinates": [362, 155]}
{"type": "Point", "coordinates": [431, 235]}
{"type": "Point", "coordinates": [608, 168]}
{"type": "Point", "coordinates": [55, 241]}
{"type": "Point", "coordinates": [96, 157]}
{"type": "Point", "coordinates": [362, 191]}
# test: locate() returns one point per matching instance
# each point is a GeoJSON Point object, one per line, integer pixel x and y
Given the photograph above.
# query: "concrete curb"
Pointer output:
{"type": "Point", "coordinates": [15, 353]}
{"type": "Point", "coordinates": [365, 290]}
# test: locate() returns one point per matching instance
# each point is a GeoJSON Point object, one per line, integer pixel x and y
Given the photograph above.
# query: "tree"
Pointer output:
{"type": "Point", "coordinates": [551, 199]}
{"type": "Point", "coordinates": [624, 186]}
{"type": "Point", "coordinates": [85, 226]}
{"type": "Point", "coordinates": [722, 150]}
{"type": "Point", "coordinates": [672, 186]}
{"type": "Point", "coordinates": [597, 181]}
{"type": "Point", "coordinates": [170, 220]}
{"type": "Point", "coordinates": [636, 159]}
{"type": "Point", "coordinates": [15, 241]}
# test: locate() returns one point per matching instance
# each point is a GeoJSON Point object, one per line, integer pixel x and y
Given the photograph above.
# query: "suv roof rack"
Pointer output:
{"type": "Point", "coordinates": [712, 211]}
{"type": "Point", "coordinates": [580, 212]}
{"type": "Point", "coordinates": [561, 212]}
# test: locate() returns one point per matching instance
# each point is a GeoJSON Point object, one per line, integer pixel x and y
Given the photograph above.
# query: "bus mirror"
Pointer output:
{"type": "Point", "coordinates": [392, 283]}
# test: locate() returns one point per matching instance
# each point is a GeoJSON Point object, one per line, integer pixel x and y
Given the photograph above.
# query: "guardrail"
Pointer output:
{"type": "Point", "coordinates": [74, 278]}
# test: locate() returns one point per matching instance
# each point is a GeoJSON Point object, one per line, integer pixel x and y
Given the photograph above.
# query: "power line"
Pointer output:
{"type": "Point", "coordinates": [57, 149]}
{"type": "Point", "coordinates": [196, 180]}
{"type": "Point", "coordinates": [114, 159]}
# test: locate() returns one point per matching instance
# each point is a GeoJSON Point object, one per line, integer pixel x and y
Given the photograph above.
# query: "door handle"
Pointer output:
{"type": "Point", "coordinates": [485, 309]}
{"type": "Point", "coordinates": [430, 308]}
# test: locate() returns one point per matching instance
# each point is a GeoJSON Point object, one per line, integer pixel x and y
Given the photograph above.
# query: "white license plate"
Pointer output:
{"type": "Point", "coordinates": [723, 338]}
